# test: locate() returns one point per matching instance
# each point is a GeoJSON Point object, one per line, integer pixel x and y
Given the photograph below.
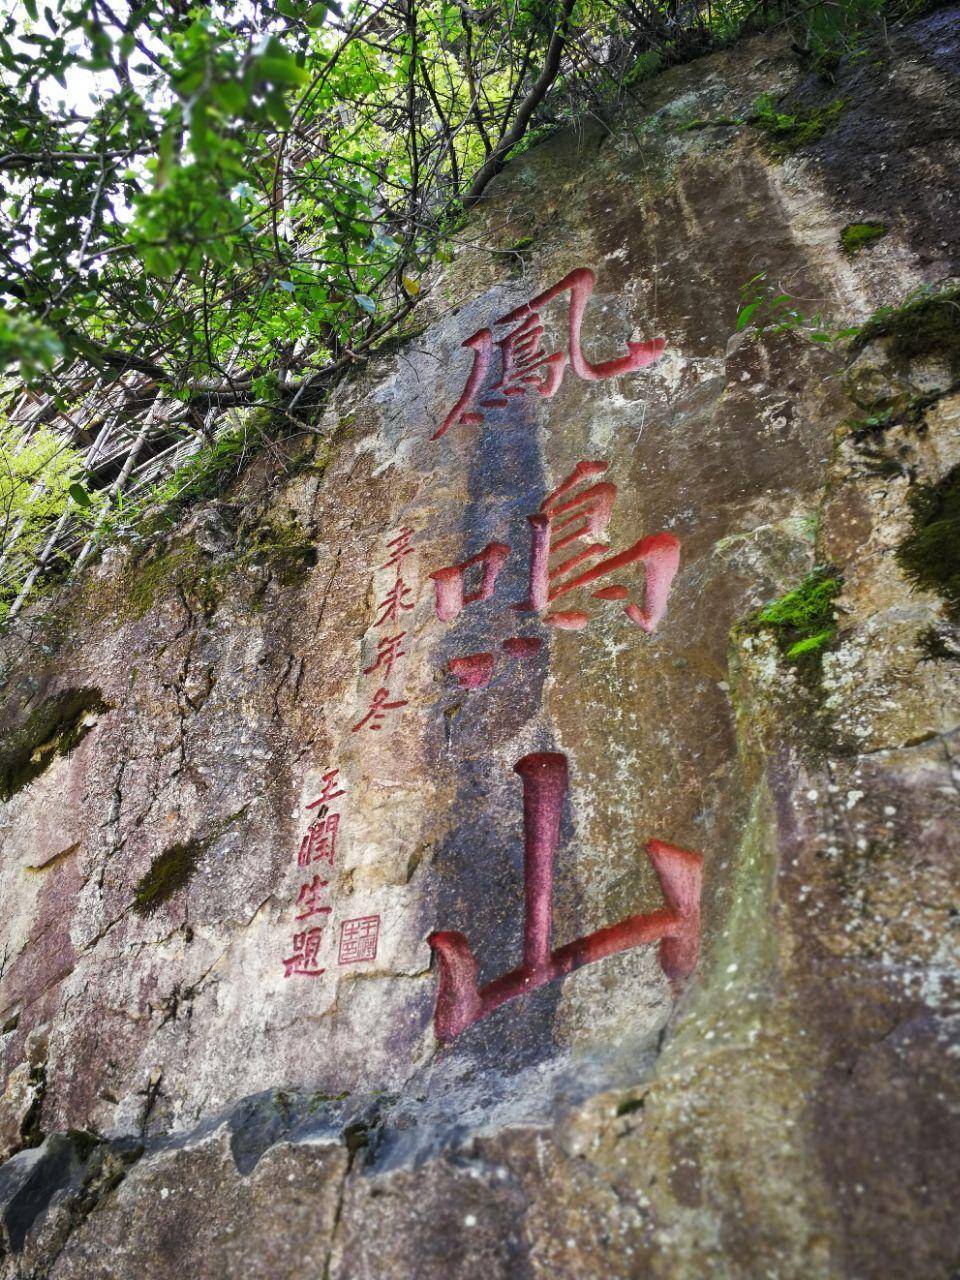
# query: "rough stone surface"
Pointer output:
{"type": "Point", "coordinates": [172, 1105]}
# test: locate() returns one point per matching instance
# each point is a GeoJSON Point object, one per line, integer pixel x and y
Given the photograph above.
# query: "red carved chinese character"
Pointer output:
{"type": "Point", "coordinates": [388, 652]}
{"type": "Point", "coordinates": [526, 366]}
{"type": "Point", "coordinates": [306, 947]}
{"type": "Point", "coordinates": [449, 583]}
{"type": "Point", "coordinates": [309, 899]}
{"type": "Point", "coordinates": [378, 707]}
{"type": "Point", "coordinates": [393, 604]}
{"type": "Point", "coordinates": [320, 840]}
{"type": "Point", "coordinates": [581, 516]}
{"type": "Point", "coordinates": [358, 939]}
{"type": "Point", "coordinates": [521, 360]}
{"type": "Point", "coordinates": [330, 781]}
{"type": "Point", "coordinates": [578, 510]}
{"type": "Point", "coordinates": [522, 646]}
{"type": "Point", "coordinates": [399, 548]}
{"type": "Point", "coordinates": [460, 1002]}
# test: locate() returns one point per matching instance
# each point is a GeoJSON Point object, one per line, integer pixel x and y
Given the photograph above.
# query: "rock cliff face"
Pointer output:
{"type": "Point", "coordinates": [250, 770]}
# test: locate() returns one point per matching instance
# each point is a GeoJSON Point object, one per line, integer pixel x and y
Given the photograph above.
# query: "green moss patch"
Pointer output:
{"type": "Point", "coordinates": [281, 545]}
{"type": "Point", "coordinates": [857, 235]}
{"type": "Point", "coordinates": [789, 131]}
{"type": "Point", "coordinates": [54, 729]}
{"type": "Point", "coordinates": [803, 621]}
{"type": "Point", "coordinates": [278, 545]}
{"type": "Point", "coordinates": [928, 324]}
{"type": "Point", "coordinates": [183, 567]}
{"type": "Point", "coordinates": [930, 554]}
{"type": "Point", "coordinates": [168, 873]}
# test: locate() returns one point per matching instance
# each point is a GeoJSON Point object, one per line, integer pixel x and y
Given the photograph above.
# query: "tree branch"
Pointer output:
{"type": "Point", "coordinates": [551, 67]}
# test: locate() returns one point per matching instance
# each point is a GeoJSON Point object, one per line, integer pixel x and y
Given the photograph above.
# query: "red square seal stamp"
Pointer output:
{"type": "Point", "coordinates": [358, 939]}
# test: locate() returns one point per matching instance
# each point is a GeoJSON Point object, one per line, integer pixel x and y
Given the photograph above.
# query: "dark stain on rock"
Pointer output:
{"type": "Point", "coordinates": [889, 152]}
{"type": "Point", "coordinates": [930, 554]}
{"type": "Point", "coordinates": [52, 730]}
{"type": "Point", "coordinates": [168, 873]}
{"type": "Point", "coordinates": [28, 1183]}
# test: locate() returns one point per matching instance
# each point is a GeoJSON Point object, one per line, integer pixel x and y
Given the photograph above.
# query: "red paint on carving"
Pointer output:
{"type": "Point", "coordinates": [303, 962]}
{"type": "Point", "coordinates": [522, 360]}
{"type": "Point", "coordinates": [681, 878]}
{"type": "Point", "coordinates": [544, 775]}
{"type": "Point", "coordinates": [389, 651]}
{"type": "Point", "coordinates": [661, 559]}
{"type": "Point", "coordinates": [677, 926]}
{"type": "Point", "coordinates": [596, 502]}
{"type": "Point", "coordinates": [573, 514]}
{"type": "Point", "coordinates": [660, 555]}
{"type": "Point", "coordinates": [581, 283]}
{"type": "Point", "coordinates": [526, 365]}
{"type": "Point", "coordinates": [481, 343]}
{"type": "Point", "coordinates": [378, 708]}
{"type": "Point", "coordinates": [320, 840]}
{"type": "Point", "coordinates": [568, 620]}
{"type": "Point", "coordinates": [449, 583]}
{"type": "Point", "coordinates": [568, 566]}
{"type": "Point", "coordinates": [330, 780]}
{"type": "Point", "coordinates": [358, 939]}
{"type": "Point", "coordinates": [399, 548]}
{"type": "Point", "coordinates": [393, 604]}
{"type": "Point", "coordinates": [308, 899]}
{"type": "Point", "coordinates": [522, 646]}
{"type": "Point", "coordinates": [582, 471]}
{"type": "Point", "coordinates": [472, 671]}
{"type": "Point", "coordinates": [458, 1000]}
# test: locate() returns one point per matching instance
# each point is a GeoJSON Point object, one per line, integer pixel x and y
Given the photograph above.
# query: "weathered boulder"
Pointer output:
{"type": "Point", "coordinates": [243, 787]}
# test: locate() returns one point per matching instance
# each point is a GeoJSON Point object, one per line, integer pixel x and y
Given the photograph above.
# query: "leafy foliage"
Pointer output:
{"type": "Point", "coordinates": [39, 482]}
{"type": "Point", "coordinates": [227, 205]}
{"type": "Point", "coordinates": [763, 307]}
{"type": "Point", "coordinates": [255, 189]}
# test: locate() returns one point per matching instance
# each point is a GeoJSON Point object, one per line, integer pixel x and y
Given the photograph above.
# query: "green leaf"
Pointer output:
{"type": "Point", "coordinates": [278, 65]}
{"type": "Point", "coordinates": [743, 318]}
{"type": "Point", "coordinates": [365, 303]}
{"type": "Point", "coordinates": [231, 96]}
{"type": "Point", "coordinates": [80, 496]}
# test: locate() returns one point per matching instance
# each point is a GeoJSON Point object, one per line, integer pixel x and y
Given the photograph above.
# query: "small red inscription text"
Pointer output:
{"type": "Point", "coordinates": [358, 939]}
